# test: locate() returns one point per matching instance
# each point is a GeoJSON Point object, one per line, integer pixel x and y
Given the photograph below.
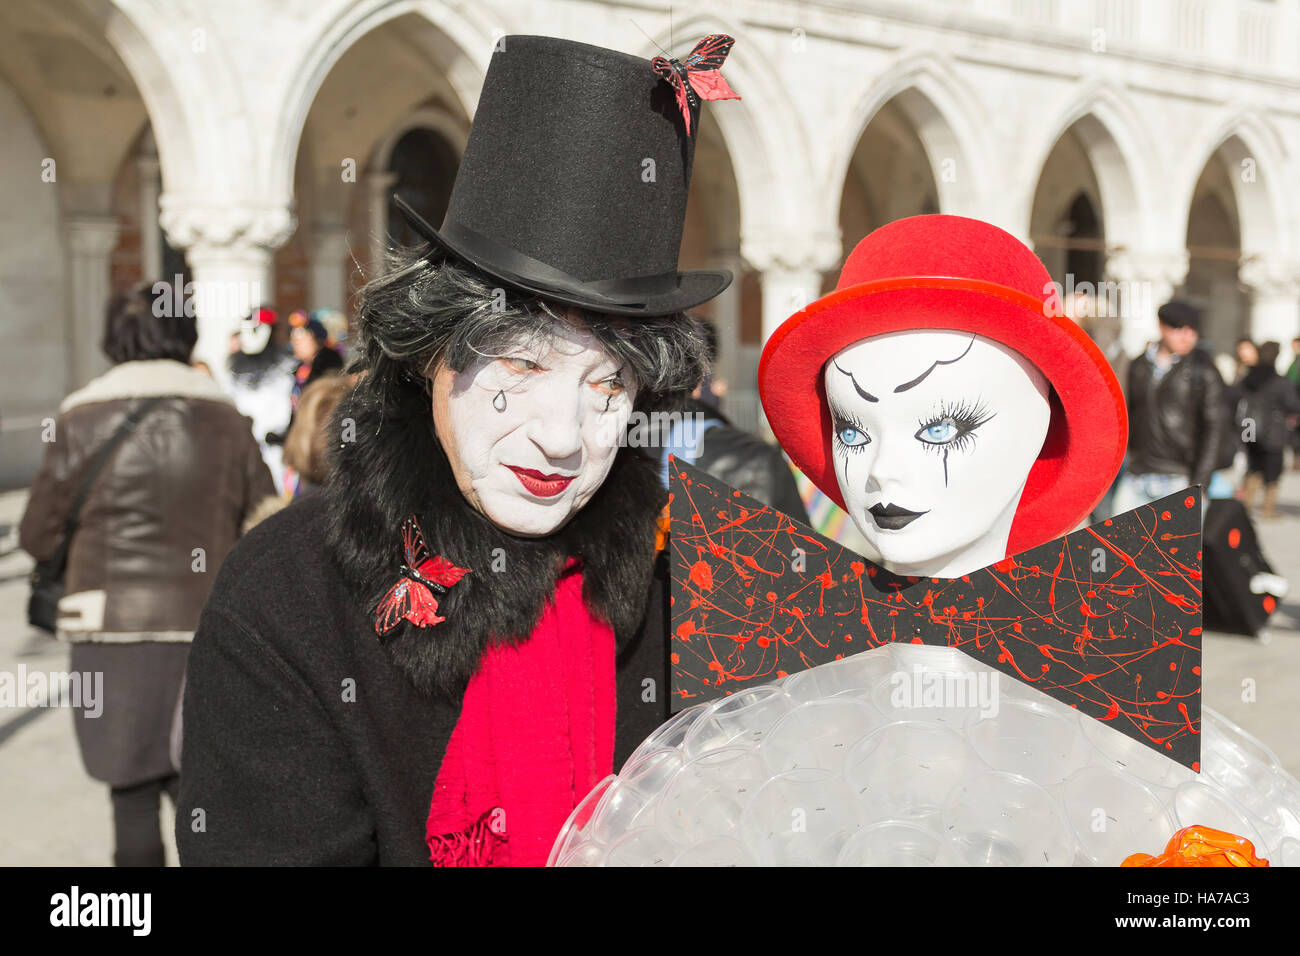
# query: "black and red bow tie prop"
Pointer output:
{"type": "Point", "coordinates": [1106, 619]}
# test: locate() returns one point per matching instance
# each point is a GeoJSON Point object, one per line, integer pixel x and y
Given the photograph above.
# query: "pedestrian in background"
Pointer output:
{"type": "Point", "coordinates": [702, 436]}
{"type": "Point", "coordinates": [1178, 414]}
{"type": "Point", "coordinates": [157, 520]}
{"type": "Point", "coordinates": [311, 440]}
{"type": "Point", "coordinates": [312, 348]}
{"type": "Point", "coordinates": [261, 382]}
{"type": "Point", "coordinates": [1267, 399]}
{"type": "Point", "coordinates": [1293, 376]}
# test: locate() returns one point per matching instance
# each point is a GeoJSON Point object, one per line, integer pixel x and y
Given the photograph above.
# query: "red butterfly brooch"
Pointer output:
{"type": "Point", "coordinates": [412, 596]}
{"type": "Point", "coordinates": [700, 72]}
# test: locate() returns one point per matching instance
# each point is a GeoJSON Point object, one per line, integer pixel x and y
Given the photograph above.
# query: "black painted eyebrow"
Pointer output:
{"type": "Point", "coordinates": [921, 378]}
{"type": "Point", "coordinates": [856, 387]}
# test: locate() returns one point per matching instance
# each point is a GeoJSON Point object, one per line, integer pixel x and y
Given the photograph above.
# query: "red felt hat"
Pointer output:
{"type": "Point", "coordinates": [949, 272]}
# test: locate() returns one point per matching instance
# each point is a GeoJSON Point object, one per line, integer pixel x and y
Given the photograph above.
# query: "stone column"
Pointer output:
{"type": "Point", "coordinates": [329, 266]}
{"type": "Point", "coordinates": [791, 269]}
{"type": "Point", "coordinates": [229, 250]}
{"type": "Point", "coordinates": [91, 240]}
{"type": "Point", "coordinates": [1274, 302]}
{"type": "Point", "coordinates": [726, 311]}
{"type": "Point", "coordinates": [379, 185]}
{"type": "Point", "coordinates": [151, 255]}
{"type": "Point", "coordinates": [1143, 281]}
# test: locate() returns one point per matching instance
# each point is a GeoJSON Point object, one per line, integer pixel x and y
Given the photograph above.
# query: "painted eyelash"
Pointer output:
{"type": "Point", "coordinates": [840, 421]}
{"type": "Point", "coordinates": [967, 416]}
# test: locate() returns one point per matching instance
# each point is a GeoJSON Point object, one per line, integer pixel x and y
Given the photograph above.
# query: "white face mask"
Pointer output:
{"type": "Point", "coordinates": [532, 435]}
{"type": "Point", "coordinates": [934, 436]}
{"type": "Point", "coordinates": [253, 337]}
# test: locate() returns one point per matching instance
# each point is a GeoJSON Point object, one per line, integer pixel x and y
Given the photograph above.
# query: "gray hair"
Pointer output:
{"type": "Point", "coordinates": [428, 309]}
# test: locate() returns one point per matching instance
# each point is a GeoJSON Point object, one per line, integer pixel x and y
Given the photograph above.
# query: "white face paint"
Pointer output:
{"type": "Point", "coordinates": [934, 436]}
{"type": "Point", "coordinates": [531, 435]}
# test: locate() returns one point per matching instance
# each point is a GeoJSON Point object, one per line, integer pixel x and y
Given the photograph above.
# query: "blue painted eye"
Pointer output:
{"type": "Point", "coordinates": [940, 433]}
{"type": "Point", "coordinates": [852, 437]}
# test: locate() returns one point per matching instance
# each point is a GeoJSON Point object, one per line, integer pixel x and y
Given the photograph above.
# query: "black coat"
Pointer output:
{"type": "Point", "coordinates": [1179, 424]}
{"type": "Point", "coordinates": [1267, 400]}
{"type": "Point", "coordinates": [749, 464]}
{"type": "Point", "coordinates": [306, 739]}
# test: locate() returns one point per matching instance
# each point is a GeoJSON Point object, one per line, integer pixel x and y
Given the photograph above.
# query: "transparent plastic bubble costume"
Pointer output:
{"type": "Point", "coordinates": [826, 768]}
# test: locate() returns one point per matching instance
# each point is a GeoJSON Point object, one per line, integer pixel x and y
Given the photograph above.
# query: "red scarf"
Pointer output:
{"type": "Point", "coordinates": [536, 733]}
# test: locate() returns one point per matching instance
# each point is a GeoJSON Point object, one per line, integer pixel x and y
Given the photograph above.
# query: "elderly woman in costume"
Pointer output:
{"type": "Point", "coordinates": [441, 653]}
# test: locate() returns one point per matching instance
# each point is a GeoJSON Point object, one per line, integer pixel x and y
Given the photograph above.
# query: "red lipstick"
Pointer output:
{"type": "Point", "coordinates": [539, 483]}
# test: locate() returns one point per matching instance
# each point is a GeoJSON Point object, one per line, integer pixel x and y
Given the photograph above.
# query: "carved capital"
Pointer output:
{"type": "Point", "coordinates": [189, 223]}
{"type": "Point", "coordinates": [1162, 268]}
{"type": "Point", "coordinates": [1270, 276]}
{"type": "Point", "coordinates": [769, 250]}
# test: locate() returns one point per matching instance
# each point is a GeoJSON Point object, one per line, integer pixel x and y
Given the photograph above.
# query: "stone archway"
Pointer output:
{"type": "Point", "coordinates": [1244, 169]}
{"type": "Point", "coordinates": [390, 87]}
{"type": "Point", "coordinates": [921, 92]}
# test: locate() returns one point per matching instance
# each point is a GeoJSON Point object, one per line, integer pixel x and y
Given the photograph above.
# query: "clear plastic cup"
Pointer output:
{"type": "Point", "coordinates": [1259, 789]}
{"type": "Point", "coordinates": [631, 797]}
{"type": "Point", "coordinates": [892, 843]}
{"type": "Point", "coordinates": [1029, 739]}
{"type": "Point", "coordinates": [1114, 815]}
{"type": "Point", "coordinates": [907, 770]}
{"type": "Point", "coordinates": [957, 697]}
{"type": "Point", "coordinates": [1002, 819]}
{"type": "Point", "coordinates": [800, 818]}
{"type": "Point", "coordinates": [802, 686]}
{"type": "Point", "coordinates": [854, 676]}
{"type": "Point", "coordinates": [643, 847]}
{"type": "Point", "coordinates": [819, 733]}
{"type": "Point", "coordinates": [1202, 803]}
{"type": "Point", "coordinates": [1235, 744]}
{"type": "Point", "coordinates": [576, 829]}
{"type": "Point", "coordinates": [1131, 756]}
{"type": "Point", "coordinates": [745, 716]}
{"type": "Point", "coordinates": [931, 657]}
{"type": "Point", "coordinates": [1286, 854]}
{"type": "Point", "coordinates": [709, 794]}
{"type": "Point", "coordinates": [669, 735]}
{"type": "Point", "coordinates": [584, 854]}
{"type": "Point", "coordinates": [722, 851]}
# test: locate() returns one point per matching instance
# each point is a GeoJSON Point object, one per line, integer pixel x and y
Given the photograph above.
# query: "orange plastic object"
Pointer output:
{"type": "Point", "coordinates": [661, 530]}
{"type": "Point", "coordinates": [1201, 846]}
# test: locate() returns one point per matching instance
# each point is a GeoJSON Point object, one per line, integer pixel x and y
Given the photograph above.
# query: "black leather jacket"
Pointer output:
{"type": "Point", "coordinates": [751, 465]}
{"type": "Point", "coordinates": [1177, 425]}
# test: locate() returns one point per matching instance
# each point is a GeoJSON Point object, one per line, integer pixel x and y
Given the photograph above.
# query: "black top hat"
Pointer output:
{"type": "Point", "coordinates": [573, 183]}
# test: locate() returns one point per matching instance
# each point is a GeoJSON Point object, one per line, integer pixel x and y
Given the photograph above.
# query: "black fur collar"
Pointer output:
{"type": "Point", "coordinates": [395, 466]}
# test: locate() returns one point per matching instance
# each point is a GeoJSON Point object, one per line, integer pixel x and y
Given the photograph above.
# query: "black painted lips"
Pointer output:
{"type": "Point", "coordinates": [892, 517]}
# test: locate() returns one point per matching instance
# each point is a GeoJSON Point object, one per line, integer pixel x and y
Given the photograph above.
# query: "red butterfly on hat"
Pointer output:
{"type": "Point", "coordinates": [700, 73]}
{"type": "Point", "coordinates": [411, 598]}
